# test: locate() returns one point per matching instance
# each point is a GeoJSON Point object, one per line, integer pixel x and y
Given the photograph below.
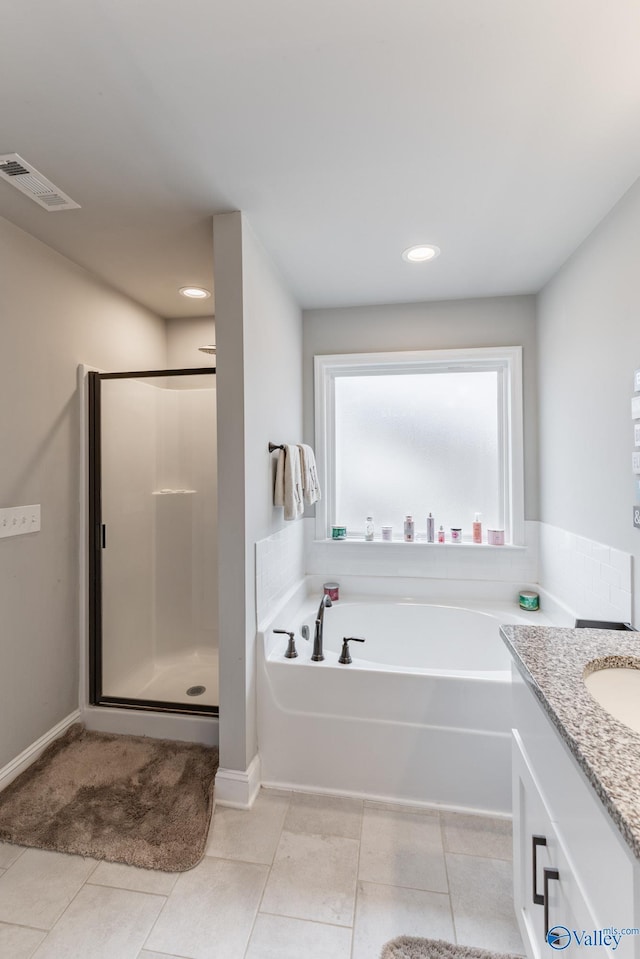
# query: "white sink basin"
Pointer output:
{"type": "Point", "coordinates": [617, 689]}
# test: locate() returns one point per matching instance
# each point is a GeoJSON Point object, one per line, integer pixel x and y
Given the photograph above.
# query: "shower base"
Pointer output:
{"type": "Point", "coordinates": [169, 679]}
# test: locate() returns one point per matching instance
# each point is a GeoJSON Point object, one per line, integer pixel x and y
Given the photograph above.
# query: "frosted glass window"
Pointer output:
{"type": "Point", "coordinates": [417, 443]}
{"type": "Point", "coordinates": [420, 432]}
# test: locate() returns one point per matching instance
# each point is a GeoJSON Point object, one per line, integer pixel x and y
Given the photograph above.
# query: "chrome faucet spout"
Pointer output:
{"type": "Point", "coordinates": [318, 635]}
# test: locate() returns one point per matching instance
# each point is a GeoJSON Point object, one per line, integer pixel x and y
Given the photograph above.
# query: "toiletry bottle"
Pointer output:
{"type": "Point", "coordinates": [368, 530]}
{"type": "Point", "coordinates": [409, 529]}
{"type": "Point", "coordinates": [431, 526]}
{"type": "Point", "coordinates": [441, 534]}
{"type": "Point", "coordinates": [477, 529]}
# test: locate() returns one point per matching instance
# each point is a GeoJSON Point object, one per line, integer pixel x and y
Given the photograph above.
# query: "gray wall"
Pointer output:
{"type": "Point", "coordinates": [184, 336]}
{"type": "Point", "coordinates": [454, 324]}
{"type": "Point", "coordinates": [259, 339]}
{"type": "Point", "coordinates": [589, 342]}
{"type": "Point", "coordinates": [54, 316]}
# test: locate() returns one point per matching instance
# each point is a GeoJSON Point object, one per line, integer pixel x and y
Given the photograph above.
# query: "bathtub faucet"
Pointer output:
{"type": "Point", "coordinates": [318, 655]}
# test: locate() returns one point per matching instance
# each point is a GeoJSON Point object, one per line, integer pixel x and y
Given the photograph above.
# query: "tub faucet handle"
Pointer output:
{"type": "Point", "coordinates": [345, 656]}
{"type": "Point", "coordinates": [291, 652]}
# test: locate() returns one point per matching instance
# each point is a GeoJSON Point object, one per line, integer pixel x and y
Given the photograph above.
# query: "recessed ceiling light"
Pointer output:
{"type": "Point", "coordinates": [195, 292]}
{"type": "Point", "coordinates": [420, 254]}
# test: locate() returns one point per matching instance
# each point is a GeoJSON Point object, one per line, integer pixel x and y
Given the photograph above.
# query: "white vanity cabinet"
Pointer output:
{"type": "Point", "coordinates": [572, 867]}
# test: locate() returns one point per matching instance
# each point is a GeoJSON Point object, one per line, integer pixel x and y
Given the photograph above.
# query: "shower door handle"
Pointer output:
{"type": "Point", "coordinates": [103, 536]}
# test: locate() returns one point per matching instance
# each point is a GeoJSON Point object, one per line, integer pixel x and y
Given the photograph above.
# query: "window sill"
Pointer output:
{"type": "Point", "coordinates": [421, 544]}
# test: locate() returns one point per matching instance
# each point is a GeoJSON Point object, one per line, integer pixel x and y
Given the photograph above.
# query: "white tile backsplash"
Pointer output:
{"type": "Point", "coordinates": [429, 561]}
{"type": "Point", "coordinates": [280, 565]}
{"type": "Point", "coordinates": [592, 579]}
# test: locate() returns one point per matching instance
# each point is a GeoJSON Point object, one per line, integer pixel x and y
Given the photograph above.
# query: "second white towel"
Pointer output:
{"type": "Point", "coordinates": [310, 484]}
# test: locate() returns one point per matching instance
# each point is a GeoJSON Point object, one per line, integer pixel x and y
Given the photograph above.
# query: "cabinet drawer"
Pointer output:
{"type": "Point", "coordinates": [593, 848]}
{"type": "Point", "coordinates": [538, 850]}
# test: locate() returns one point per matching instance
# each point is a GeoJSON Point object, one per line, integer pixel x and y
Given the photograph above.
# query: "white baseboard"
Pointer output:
{"type": "Point", "coordinates": [29, 755]}
{"type": "Point", "coordinates": [386, 800]}
{"type": "Point", "coordinates": [238, 788]}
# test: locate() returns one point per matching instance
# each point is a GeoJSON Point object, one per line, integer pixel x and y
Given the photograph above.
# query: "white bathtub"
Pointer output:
{"type": "Point", "coordinates": [413, 637]}
{"type": "Point", "coordinates": [422, 715]}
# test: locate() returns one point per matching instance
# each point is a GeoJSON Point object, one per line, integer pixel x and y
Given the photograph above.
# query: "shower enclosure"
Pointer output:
{"type": "Point", "coordinates": [152, 540]}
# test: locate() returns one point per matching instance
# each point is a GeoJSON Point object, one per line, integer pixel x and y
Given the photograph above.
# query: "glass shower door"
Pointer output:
{"type": "Point", "coordinates": [153, 545]}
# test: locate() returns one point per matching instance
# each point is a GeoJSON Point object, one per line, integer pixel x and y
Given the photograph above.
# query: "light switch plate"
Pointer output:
{"type": "Point", "coordinates": [18, 520]}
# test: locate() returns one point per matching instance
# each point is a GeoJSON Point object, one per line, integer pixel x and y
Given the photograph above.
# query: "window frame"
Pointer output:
{"type": "Point", "coordinates": [505, 360]}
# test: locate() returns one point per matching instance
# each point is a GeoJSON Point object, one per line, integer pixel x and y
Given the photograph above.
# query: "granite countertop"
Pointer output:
{"type": "Point", "coordinates": [553, 662]}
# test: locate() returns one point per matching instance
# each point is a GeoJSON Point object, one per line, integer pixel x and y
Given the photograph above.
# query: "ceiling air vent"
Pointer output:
{"type": "Point", "coordinates": [26, 178]}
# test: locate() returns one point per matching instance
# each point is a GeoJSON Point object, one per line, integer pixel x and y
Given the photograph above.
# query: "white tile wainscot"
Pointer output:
{"type": "Point", "coordinates": [279, 566]}
{"type": "Point", "coordinates": [592, 579]}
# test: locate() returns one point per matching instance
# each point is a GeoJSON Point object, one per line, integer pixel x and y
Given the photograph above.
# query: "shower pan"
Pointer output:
{"type": "Point", "coordinates": [153, 541]}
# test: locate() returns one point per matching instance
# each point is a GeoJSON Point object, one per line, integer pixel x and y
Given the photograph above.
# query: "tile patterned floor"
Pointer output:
{"type": "Point", "coordinates": [297, 876]}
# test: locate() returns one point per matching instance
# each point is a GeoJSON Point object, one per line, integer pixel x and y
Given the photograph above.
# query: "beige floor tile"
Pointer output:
{"type": "Point", "coordinates": [324, 816]}
{"type": "Point", "coordinates": [401, 807]}
{"type": "Point", "coordinates": [313, 877]}
{"type": "Point", "coordinates": [250, 835]}
{"type": "Point", "coordinates": [18, 942]}
{"type": "Point", "coordinates": [480, 887]}
{"type": "Point", "coordinates": [9, 854]}
{"type": "Point", "coordinates": [210, 912]}
{"type": "Point", "coordinates": [402, 849]}
{"type": "Point", "coordinates": [384, 912]}
{"type": "Point", "coordinates": [496, 935]}
{"type": "Point", "coordinates": [145, 954]}
{"type": "Point", "coordinates": [102, 923]}
{"type": "Point", "coordinates": [130, 877]}
{"type": "Point", "coordinates": [477, 835]}
{"type": "Point", "coordinates": [277, 937]}
{"type": "Point", "coordinates": [39, 886]}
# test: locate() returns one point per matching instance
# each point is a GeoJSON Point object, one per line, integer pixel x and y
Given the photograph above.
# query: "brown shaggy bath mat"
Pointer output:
{"type": "Point", "coordinates": [145, 802]}
{"type": "Point", "coordinates": [409, 947]}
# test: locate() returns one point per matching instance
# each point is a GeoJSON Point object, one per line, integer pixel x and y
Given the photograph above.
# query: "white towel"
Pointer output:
{"type": "Point", "coordinates": [310, 484]}
{"type": "Point", "coordinates": [288, 485]}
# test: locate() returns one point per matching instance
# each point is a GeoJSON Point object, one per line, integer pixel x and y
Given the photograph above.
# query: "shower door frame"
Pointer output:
{"type": "Point", "coordinates": [97, 544]}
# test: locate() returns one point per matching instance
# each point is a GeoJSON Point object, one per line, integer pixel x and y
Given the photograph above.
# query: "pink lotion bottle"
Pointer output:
{"type": "Point", "coordinates": [477, 529]}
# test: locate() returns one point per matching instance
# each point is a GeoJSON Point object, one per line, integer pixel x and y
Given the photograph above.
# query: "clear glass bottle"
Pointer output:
{"type": "Point", "coordinates": [431, 526]}
{"type": "Point", "coordinates": [409, 529]}
{"type": "Point", "coordinates": [441, 534]}
{"type": "Point", "coordinates": [368, 530]}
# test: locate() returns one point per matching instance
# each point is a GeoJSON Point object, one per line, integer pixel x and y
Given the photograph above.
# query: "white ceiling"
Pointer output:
{"type": "Point", "coordinates": [347, 130]}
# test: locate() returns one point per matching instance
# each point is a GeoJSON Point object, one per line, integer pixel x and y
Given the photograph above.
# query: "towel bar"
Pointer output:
{"type": "Point", "coordinates": [275, 446]}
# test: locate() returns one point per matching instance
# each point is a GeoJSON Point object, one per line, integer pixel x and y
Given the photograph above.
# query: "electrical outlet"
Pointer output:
{"type": "Point", "coordinates": [18, 520]}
